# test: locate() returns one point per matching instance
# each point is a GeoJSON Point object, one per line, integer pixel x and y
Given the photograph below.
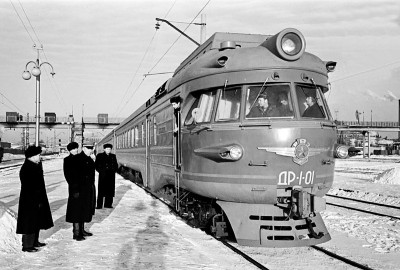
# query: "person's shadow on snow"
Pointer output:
{"type": "Point", "coordinates": [149, 246]}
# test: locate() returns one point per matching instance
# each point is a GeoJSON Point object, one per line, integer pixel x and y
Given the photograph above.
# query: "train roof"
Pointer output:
{"type": "Point", "coordinates": [214, 42]}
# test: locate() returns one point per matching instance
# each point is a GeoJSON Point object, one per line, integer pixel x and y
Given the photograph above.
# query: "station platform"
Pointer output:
{"type": "Point", "coordinates": [138, 233]}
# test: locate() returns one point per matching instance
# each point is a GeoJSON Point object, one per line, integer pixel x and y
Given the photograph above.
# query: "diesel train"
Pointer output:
{"type": "Point", "coordinates": [251, 150]}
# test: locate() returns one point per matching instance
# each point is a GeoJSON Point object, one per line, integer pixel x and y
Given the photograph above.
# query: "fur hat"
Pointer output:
{"type": "Point", "coordinates": [33, 151]}
{"type": "Point", "coordinates": [72, 146]}
{"type": "Point", "coordinates": [176, 99]}
{"type": "Point", "coordinates": [107, 145]}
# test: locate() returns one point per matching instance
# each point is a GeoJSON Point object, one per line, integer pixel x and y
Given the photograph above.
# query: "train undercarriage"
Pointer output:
{"type": "Point", "coordinates": [293, 221]}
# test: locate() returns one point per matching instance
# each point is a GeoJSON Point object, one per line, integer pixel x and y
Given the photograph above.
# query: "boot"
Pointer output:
{"type": "Point", "coordinates": [76, 232]}
{"type": "Point", "coordinates": [82, 230]}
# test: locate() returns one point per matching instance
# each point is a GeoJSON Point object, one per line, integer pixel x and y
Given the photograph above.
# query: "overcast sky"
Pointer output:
{"type": "Point", "coordinates": [101, 49]}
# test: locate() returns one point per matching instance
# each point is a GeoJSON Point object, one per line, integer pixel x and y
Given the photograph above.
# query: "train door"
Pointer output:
{"type": "Point", "coordinates": [147, 144]}
{"type": "Point", "coordinates": [177, 153]}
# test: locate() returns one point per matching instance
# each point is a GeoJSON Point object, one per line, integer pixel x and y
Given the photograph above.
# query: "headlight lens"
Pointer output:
{"type": "Point", "coordinates": [342, 152]}
{"type": "Point", "coordinates": [236, 152]}
{"type": "Point", "coordinates": [291, 44]}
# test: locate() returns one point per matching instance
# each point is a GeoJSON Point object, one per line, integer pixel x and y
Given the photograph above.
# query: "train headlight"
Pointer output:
{"type": "Point", "coordinates": [341, 151]}
{"type": "Point", "coordinates": [222, 153]}
{"type": "Point", "coordinates": [291, 44]}
{"type": "Point", "coordinates": [236, 152]}
{"type": "Point", "coordinates": [288, 44]}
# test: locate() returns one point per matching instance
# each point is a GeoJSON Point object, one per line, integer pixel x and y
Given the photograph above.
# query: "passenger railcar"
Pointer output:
{"type": "Point", "coordinates": [259, 175]}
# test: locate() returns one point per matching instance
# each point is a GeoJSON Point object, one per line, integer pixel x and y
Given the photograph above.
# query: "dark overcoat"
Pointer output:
{"type": "Point", "coordinates": [85, 175]}
{"type": "Point", "coordinates": [106, 166]}
{"type": "Point", "coordinates": [76, 210]}
{"type": "Point", "coordinates": [34, 208]}
{"type": "Point", "coordinates": [314, 111]}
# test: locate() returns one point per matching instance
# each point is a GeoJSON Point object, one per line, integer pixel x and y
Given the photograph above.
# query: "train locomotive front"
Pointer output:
{"type": "Point", "coordinates": [256, 143]}
{"type": "Point", "coordinates": [267, 166]}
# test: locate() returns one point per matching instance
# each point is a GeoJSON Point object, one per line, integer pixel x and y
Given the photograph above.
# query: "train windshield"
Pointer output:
{"type": "Point", "coordinates": [269, 101]}
{"type": "Point", "coordinates": [229, 104]}
{"type": "Point", "coordinates": [311, 102]}
{"type": "Point", "coordinates": [202, 108]}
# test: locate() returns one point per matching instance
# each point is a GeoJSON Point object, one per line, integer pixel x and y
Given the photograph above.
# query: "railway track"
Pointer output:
{"type": "Point", "coordinates": [249, 257]}
{"type": "Point", "coordinates": [5, 168]}
{"type": "Point", "coordinates": [369, 203]}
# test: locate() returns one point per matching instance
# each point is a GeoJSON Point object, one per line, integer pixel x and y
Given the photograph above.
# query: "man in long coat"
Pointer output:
{"type": "Point", "coordinates": [85, 175]}
{"type": "Point", "coordinates": [76, 191]}
{"type": "Point", "coordinates": [106, 166]}
{"type": "Point", "coordinates": [34, 209]}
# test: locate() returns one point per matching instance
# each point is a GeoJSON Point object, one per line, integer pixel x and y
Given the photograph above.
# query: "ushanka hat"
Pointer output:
{"type": "Point", "coordinates": [176, 99]}
{"type": "Point", "coordinates": [33, 151]}
{"type": "Point", "coordinates": [107, 145]}
{"type": "Point", "coordinates": [72, 146]}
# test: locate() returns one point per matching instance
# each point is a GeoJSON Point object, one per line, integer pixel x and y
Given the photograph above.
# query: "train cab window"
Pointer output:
{"type": "Point", "coordinates": [229, 104]}
{"type": "Point", "coordinates": [202, 108]}
{"type": "Point", "coordinates": [311, 102]}
{"type": "Point", "coordinates": [271, 101]}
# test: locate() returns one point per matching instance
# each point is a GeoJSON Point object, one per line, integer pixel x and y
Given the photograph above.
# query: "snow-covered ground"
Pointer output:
{"type": "Point", "coordinates": [140, 233]}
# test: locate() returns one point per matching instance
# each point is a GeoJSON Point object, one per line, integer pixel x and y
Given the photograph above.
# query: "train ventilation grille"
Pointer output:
{"type": "Point", "coordinates": [280, 228]}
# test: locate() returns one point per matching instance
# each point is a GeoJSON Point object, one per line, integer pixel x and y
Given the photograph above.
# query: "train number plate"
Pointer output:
{"type": "Point", "coordinates": [288, 178]}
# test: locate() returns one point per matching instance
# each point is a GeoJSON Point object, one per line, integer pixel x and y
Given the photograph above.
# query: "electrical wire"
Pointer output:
{"type": "Point", "coordinates": [357, 74]}
{"type": "Point", "coordinates": [22, 23]}
{"type": "Point", "coordinates": [33, 29]}
{"type": "Point", "coordinates": [366, 71]}
{"type": "Point", "coordinates": [52, 82]}
{"type": "Point", "coordinates": [179, 37]}
{"type": "Point", "coordinates": [145, 76]}
{"type": "Point", "coordinates": [118, 110]}
{"type": "Point", "coordinates": [134, 76]}
{"type": "Point", "coordinates": [15, 106]}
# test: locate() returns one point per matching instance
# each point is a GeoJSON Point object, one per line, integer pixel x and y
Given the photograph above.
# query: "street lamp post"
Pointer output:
{"type": "Point", "coordinates": [26, 75]}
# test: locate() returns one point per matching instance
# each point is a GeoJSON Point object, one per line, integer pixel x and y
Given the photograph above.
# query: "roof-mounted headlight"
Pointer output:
{"type": "Point", "coordinates": [288, 44]}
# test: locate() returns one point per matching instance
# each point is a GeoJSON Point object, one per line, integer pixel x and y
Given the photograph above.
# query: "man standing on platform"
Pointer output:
{"type": "Point", "coordinates": [34, 211]}
{"type": "Point", "coordinates": [76, 190]}
{"type": "Point", "coordinates": [85, 171]}
{"type": "Point", "coordinates": [107, 166]}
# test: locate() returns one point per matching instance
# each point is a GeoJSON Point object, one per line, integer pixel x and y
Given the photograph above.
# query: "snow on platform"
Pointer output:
{"type": "Point", "coordinates": [138, 233]}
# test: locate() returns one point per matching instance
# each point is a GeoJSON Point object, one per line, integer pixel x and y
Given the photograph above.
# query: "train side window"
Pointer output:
{"type": "Point", "coordinates": [142, 134]}
{"type": "Point", "coordinates": [155, 130]}
{"type": "Point", "coordinates": [136, 136]}
{"type": "Point", "coordinates": [229, 104]}
{"type": "Point", "coordinates": [311, 103]}
{"type": "Point", "coordinates": [132, 137]}
{"type": "Point", "coordinates": [202, 108]}
{"type": "Point", "coordinates": [269, 101]}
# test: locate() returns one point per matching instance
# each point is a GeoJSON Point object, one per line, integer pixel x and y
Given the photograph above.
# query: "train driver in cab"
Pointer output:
{"type": "Point", "coordinates": [284, 108]}
{"type": "Point", "coordinates": [263, 109]}
{"type": "Point", "coordinates": [313, 109]}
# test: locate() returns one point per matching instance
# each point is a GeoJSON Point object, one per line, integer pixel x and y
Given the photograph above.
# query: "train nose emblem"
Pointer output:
{"type": "Point", "coordinates": [300, 151]}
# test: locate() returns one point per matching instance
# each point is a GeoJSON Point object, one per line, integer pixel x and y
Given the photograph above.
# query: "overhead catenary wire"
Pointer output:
{"type": "Point", "coordinates": [15, 106]}
{"type": "Point", "coordinates": [26, 29]}
{"type": "Point", "coordinates": [145, 75]}
{"type": "Point", "coordinates": [52, 82]}
{"type": "Point", "coordinates": [366, 71]}
{"type": "Point", "coordinates": [118, 110]}
{"type": "Point", "coordinates": [148, 73]}
{"type": "Point", "coordinates": [359, 73]}
{"type": "Point", "coordinates": [26, 16]}
{"type": "Point", "coordinates": [179, 37]}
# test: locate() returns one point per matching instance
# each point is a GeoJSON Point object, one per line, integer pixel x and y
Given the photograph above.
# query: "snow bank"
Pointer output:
{"type": "Point", "coordinates": [390, 176]}
{"type": "Point", "coordinates": [10, 242]}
